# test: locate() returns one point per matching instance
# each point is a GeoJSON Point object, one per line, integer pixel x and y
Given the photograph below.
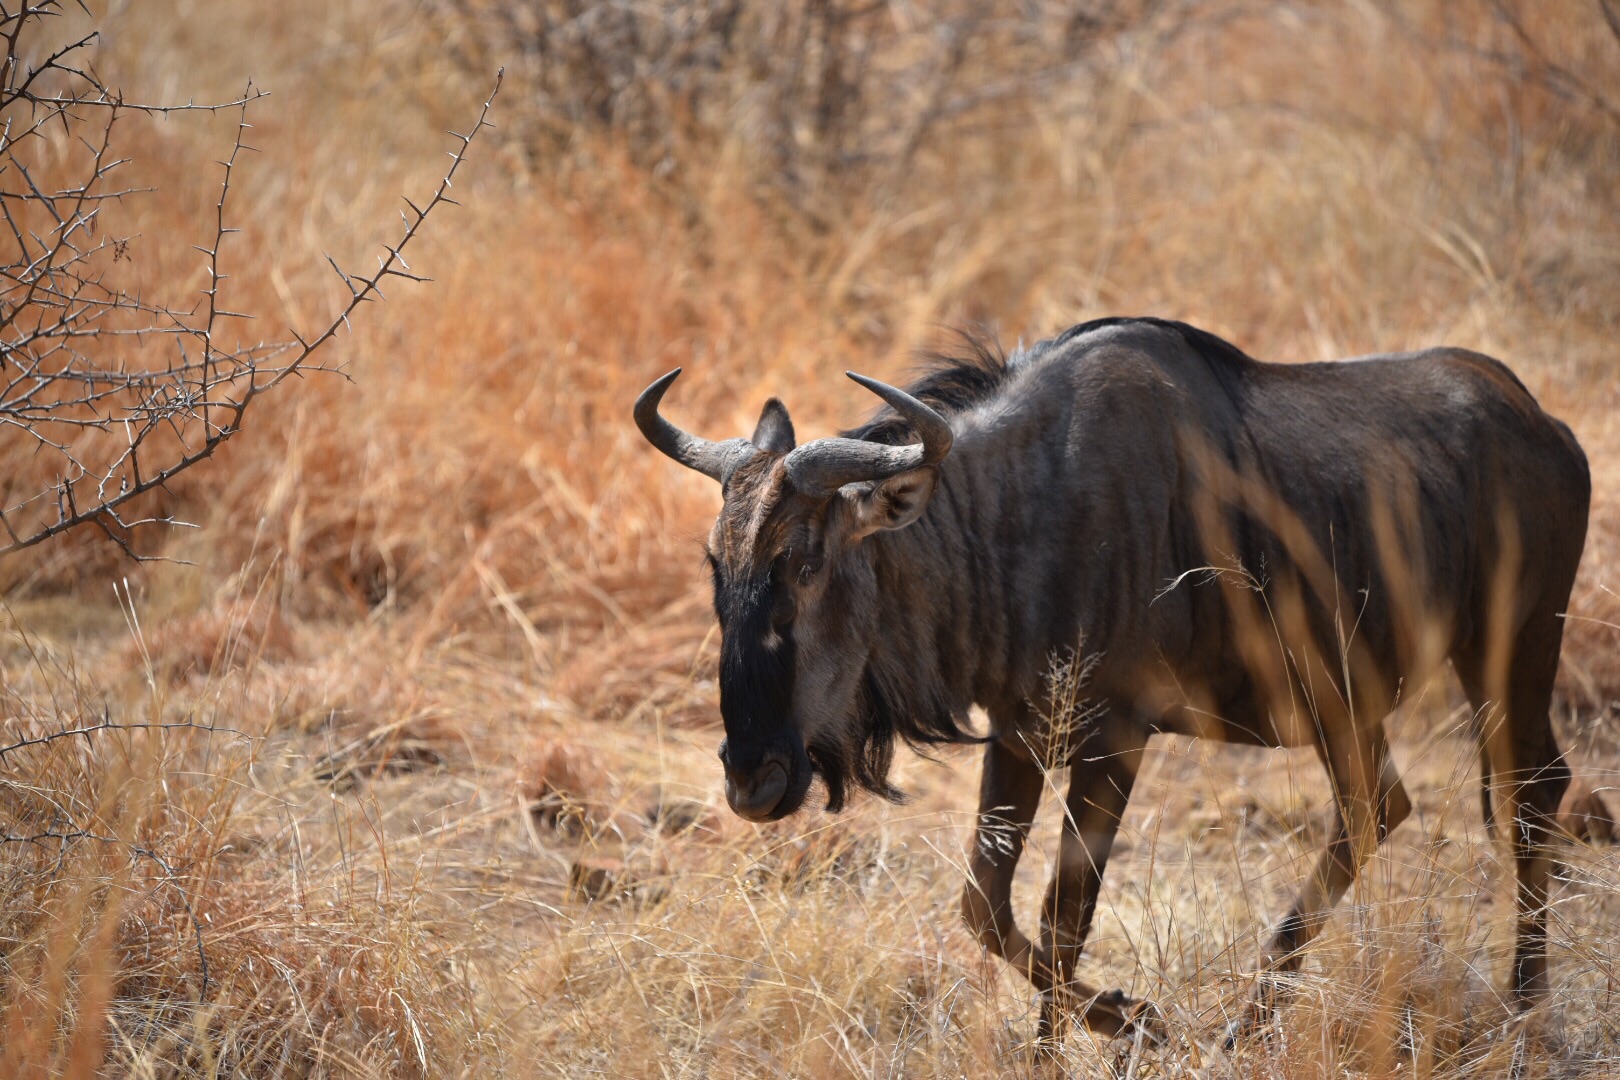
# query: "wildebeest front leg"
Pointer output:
{"type": "Point", "coordinates": [1371, 803]}
{"type": "Point", "coordinates": [1100, 782]}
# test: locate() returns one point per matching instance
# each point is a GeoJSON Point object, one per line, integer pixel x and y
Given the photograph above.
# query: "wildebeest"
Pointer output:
{"type": "Point", "coordinates": [1260, 553]}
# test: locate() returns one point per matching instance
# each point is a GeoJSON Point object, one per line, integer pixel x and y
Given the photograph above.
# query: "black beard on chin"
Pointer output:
{"type": "Point", "coordinates": [863, 757]}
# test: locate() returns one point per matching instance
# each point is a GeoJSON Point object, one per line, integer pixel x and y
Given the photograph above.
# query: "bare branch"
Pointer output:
{"type": "Point", "coordinates": [80, 357]}
{"type": "Point", "coordinates": [69, 833]}
{"type": "Point", "coordinates": [108, 724]}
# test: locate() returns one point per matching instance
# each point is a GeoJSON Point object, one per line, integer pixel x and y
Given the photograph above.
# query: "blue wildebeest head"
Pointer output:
{"type": "Point", "coordinates": [796, 593]}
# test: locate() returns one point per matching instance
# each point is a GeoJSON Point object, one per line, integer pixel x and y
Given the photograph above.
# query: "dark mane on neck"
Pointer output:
{"type": "Point", "coordinates": [896, 700]}
{"type": "Point", "coordinates": [955, 378]}
{"type": "Point", "coordinates": [974, 367]}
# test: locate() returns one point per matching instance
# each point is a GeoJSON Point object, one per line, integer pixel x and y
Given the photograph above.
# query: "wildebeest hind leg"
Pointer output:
{"type": "Point", "coordinates": [1100, 781]}
{"type": "Point", "coordinates": [1371, 803]}
{"type": "Point", "coordinates": [1529, 772]}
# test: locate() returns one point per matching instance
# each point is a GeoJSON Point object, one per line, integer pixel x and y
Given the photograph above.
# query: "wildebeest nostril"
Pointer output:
{"type": "Point", "coordinates": [756, 797]}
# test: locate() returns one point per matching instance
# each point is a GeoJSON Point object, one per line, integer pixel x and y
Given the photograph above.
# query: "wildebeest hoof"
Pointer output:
{"type": "Point", "coordinates": [1251, 1022]}
{"type": "Point", "coordinates": [1114, 1012]}
{"type": "Point", "coordinates": [1272, 992]}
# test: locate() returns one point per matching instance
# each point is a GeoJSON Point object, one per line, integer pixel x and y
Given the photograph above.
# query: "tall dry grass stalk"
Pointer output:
{"type": "Point", "coordinates": [411, 588]}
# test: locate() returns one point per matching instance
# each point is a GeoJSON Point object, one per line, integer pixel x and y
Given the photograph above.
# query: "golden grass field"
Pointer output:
{"type": "Point", "coordinates": [427, 783]}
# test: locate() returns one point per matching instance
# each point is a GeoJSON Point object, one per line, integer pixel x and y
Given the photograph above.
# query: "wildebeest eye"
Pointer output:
{"type": "Point", "coordinates": [782, 608]}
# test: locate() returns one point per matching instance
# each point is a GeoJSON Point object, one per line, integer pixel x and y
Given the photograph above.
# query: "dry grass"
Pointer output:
{"type": "Point", "coordinates": [463, 820]}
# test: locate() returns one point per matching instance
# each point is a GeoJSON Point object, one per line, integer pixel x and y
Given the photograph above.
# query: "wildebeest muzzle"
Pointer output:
{"type": "Point", "coordinates": [765, 783]}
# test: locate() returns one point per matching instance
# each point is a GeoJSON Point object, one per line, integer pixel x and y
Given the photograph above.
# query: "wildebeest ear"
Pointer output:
{"type": "Point", "coordinates": [890, 504]}
{"type": "Point", "coordinates": [774, 433]}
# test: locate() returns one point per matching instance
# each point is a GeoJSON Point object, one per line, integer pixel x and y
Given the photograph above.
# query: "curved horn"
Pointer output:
{"type": "Point", "coordinates": [715, 460]}
{"type": "Point", "coordinates": [822, 467]}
